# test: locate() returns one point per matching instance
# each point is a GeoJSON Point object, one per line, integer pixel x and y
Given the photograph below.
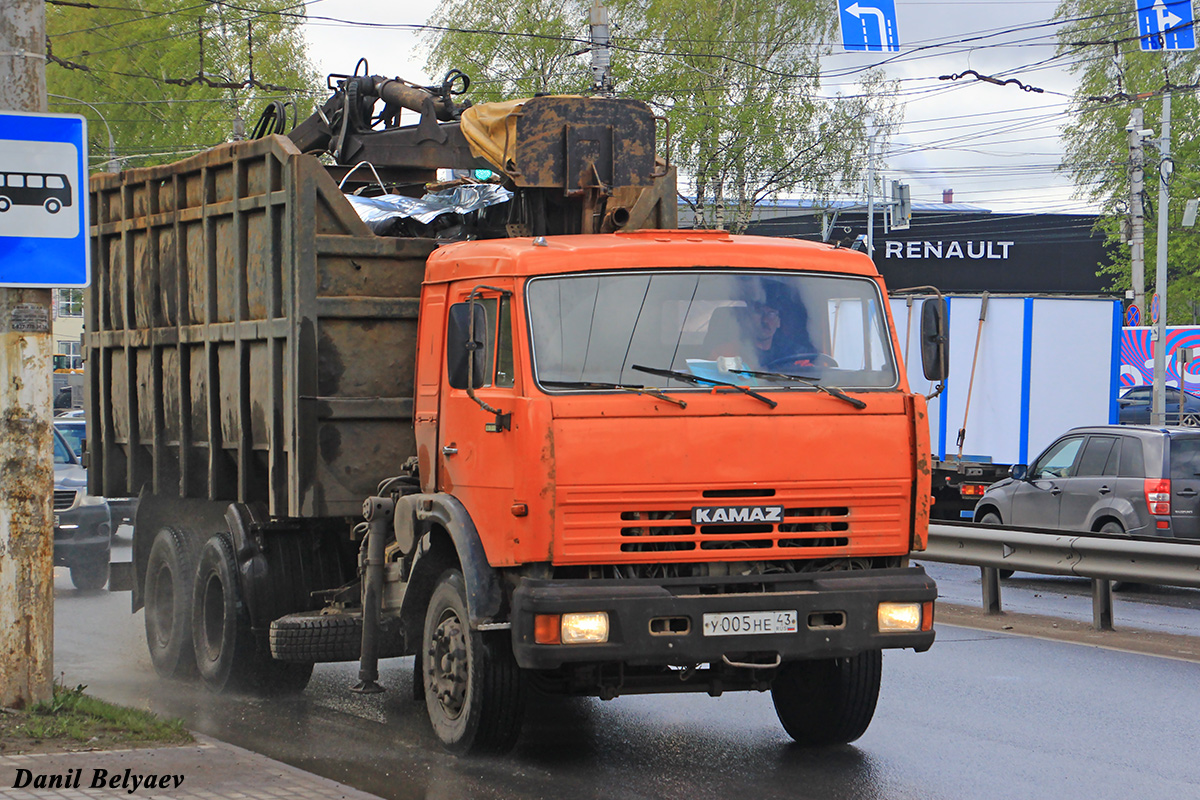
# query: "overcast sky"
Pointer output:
{"type": "Point", "coordinates": [994, 146]}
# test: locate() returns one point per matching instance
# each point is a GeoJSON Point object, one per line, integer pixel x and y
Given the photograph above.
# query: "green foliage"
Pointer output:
{"type": "Point", "coordinates": [1115, 76]}
{"type": "Point", "coordinates": [738, 81]}
{"type": "Point", "coordinates": [129, 61]}
{"type": "Point", "coordinates": [72, 715]}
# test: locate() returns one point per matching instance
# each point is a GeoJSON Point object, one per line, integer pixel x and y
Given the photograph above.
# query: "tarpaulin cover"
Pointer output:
{"type": "Point", "coordinates": [377, 212]}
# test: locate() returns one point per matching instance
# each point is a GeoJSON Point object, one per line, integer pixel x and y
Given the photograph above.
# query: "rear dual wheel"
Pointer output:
{"type": "Point", "coordinates": [228, 654]}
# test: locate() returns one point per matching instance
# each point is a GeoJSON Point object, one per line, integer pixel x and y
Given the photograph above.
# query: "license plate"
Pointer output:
{"type": "Point", "coordinates": [56, 520]}
{"type": "Point", "coordinates": [749, 623]}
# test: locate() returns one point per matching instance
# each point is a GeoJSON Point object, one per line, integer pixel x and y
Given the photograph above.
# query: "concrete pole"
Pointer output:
{"type": "Point", "coordinates": [870, 187]}
{"type": "Point", "coordinates": [26, 449]}
{"type": "Point", "coordinates": [1137, 214]}
{"type": "Point", "coordinates": [1158, 408]}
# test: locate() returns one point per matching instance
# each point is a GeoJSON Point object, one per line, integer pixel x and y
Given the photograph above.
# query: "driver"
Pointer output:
{"type": "Point", "coordinates": [764, 331]}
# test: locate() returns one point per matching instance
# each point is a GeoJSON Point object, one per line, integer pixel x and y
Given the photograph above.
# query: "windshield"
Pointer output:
{"type": "Point", "coordinates": [595, 328]}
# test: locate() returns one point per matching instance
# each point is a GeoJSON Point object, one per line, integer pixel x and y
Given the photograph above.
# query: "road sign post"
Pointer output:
{"type": "Point", "coordinates": [26, 523]}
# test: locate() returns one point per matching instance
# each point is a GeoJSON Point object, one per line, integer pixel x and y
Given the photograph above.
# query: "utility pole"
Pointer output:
{"type": "Point", "coordinates": [27, 483]}
{"type": "Point", "coordinates": [870, 187]}
{"type": "Point", "coordinates": [1158, 408]}
{"type": "Point", "coordinates": [1137, 214]}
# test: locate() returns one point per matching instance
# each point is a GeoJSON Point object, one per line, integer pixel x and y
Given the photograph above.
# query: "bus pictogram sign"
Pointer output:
{"type": "Point", "coordinates": [43, 200]}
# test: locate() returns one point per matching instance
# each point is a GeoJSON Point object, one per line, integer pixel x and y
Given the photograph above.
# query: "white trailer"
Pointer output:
{"type": "Point", "coordinates": [1023, 370]}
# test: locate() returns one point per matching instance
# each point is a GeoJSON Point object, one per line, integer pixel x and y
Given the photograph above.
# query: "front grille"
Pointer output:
{"type": "Point", "coordinates": [63, 499]}
{"type": "Point", "coordinates": [753, 536]}
{"type": "Point", "coordinates": [632, 525]}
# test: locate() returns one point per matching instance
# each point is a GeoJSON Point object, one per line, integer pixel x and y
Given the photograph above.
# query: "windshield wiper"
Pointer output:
{"type": "Point", "coordinates": [813, 382]}
{"type": "Point", "coordinates": [624, 387]}
{"type": "Point", "coordinates": [688, 377]}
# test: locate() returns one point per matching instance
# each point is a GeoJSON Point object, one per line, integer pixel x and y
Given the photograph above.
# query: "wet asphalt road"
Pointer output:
{"type": "Point", "coordinates": [982, 715]}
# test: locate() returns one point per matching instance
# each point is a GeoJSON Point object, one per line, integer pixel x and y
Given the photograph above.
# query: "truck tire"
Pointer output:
{"type": "Point", "coordinates": [829, 701]}
{"type": "Point", "coordinates": [314, 636]}
{"type": "Point", "coordinates": [227, 655]}
{"type": "Point", "coordinates": [170, 573]}
{"type": "Point", "coordinates": [90, 576]}
{"type": "Point", "coordinates": [474, 690]}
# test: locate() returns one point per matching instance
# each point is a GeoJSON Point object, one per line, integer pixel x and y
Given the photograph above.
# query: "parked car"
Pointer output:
{"type": "Point", "coordinates": [82, 522]}
{"type": "Point", "coordinates": [1134, 407]}
{"type": "Point", "coordinates": [73, 427]}
{"type": "Point", "coordinates": [1114, 479]}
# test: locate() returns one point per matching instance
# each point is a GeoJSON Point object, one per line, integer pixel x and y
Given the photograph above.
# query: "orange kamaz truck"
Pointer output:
{"type": "Point", "coordinates": [549, 443]}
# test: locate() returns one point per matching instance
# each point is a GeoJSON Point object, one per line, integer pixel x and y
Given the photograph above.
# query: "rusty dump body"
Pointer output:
{"type": "Point", "coordinates": [249, 339]}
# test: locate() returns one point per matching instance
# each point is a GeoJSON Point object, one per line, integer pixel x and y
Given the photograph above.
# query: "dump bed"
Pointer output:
{"type": "Point", "coordinates": [249, 339]}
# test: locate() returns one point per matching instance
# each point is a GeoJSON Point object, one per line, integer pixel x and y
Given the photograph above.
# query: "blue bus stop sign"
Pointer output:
{"type": "Point", "coordinates": [869, 25]}
{"type": "Point", "coordinates": [1165, 25]}
{"type": "Point", "coordinates": [43, 200]}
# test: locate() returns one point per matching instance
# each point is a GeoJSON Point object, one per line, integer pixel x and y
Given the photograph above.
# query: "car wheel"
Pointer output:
{"type": "Point", "coordinates": [474, 690]}
{"type": "Point", "coordinates": [992, 518]}
{"type": "Point", "coordinates": [90, 576]}
{"type": "Point", "coordinates": [1190, 421]}
{"type": "Point", "coordinates": [170, 573]}
{"type": "Point", "coordinates": [828, 701]}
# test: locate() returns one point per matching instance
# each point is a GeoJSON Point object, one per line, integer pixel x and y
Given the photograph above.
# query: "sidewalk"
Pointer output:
{"type": "Point", "coordinates": [207, 770]}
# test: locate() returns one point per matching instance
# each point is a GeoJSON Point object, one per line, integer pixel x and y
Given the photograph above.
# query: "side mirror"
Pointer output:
{"type": "Point", "coordinates": [935, 339]}
{"type": "Point", "coordinates": [1018, 472]}
{"type": "Point", "coordinates": [460, 350]}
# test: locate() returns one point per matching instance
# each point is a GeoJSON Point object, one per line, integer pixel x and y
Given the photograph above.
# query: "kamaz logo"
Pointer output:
{"type": "Point", "coordinates": [729, 514]}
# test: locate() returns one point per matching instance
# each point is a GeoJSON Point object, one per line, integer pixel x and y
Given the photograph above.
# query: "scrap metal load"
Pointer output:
{"type": "Point", "coordinates": [573, 164]}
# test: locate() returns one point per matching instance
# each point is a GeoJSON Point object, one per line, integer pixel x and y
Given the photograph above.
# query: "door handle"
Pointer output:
{"type": "Point", "coordinates": [1105, 490]}
{"type": "Point", "coordinates": [449, 450]}
{"type": "Point", "coordinates": [1055, 490]}
{"type": "Point", "coordinates": [1187, 493]}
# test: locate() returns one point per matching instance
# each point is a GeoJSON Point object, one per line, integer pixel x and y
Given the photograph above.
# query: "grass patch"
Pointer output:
{"type": "Point", "coordinates": [72, 720]}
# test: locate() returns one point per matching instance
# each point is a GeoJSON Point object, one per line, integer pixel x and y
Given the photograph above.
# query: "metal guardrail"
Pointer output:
{"type": "Point", "coordinates": [1168, 562]}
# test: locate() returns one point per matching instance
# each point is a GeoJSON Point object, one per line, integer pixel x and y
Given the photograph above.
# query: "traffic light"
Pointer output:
{"type": "Point", "coordinates": [901, 206]}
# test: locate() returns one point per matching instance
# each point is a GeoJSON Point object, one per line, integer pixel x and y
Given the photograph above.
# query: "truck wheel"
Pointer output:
{"type": "Point", "coordinates": [90, 576]}
{"type": "Point", "coordinates": [830, 701]}
{"type": "Point", "coordinates": [474, 690]}
{"type": "Point", "coordinates": [227, 654]}
{"type": "Point", "coordinates": [170, 572]}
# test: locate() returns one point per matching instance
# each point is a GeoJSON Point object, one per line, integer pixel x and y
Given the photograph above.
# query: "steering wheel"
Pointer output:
{"type": "Point", "coordinates": [801, 359]}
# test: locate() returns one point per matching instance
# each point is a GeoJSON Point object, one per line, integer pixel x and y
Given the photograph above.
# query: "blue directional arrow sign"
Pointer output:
{"type": "Point", "coordinates": [1166, 25]}
{"type": "Point", "coordinates": [43, 200]}
{"type": "Point", "coordinates": [869, 25]}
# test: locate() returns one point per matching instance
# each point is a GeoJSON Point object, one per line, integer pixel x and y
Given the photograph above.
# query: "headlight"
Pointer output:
{"type": "Point", "coordinates": [899, 617]}
{"type": "Point", "coordinates": [91, 500]}
{"type": "Point", "coordinates": [574, 628]}
{"type": "Point", "coordinates": [589, 628]}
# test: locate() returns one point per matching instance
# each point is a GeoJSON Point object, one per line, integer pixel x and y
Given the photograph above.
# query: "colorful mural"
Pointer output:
{"type": "Point", "coordinates": [1137, 356]}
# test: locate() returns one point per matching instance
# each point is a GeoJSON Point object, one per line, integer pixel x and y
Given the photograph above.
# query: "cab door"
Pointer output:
{"type": "Point", "coordinates": [476, 452]}
{"type": "Point", "coordinates": [1036, 501]}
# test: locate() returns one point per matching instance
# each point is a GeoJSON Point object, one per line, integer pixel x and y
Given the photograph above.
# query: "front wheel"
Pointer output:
{"type": "Point", "coordinates": [828, 701]}
{"type": "Point", "coordinates": [474, 690]}
{"type": "Point", "coordinates": [227, 654]}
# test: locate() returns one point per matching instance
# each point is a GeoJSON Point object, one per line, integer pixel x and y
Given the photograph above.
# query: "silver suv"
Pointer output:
{"type": "Point", "coordinates": [1115, 479]}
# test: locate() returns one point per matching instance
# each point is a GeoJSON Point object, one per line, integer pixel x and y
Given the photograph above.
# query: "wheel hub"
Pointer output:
{"type": "Point", "coordinates": [448, 668]}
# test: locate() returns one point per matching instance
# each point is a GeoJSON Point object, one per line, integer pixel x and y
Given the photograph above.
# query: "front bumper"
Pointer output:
{"type": "Point", "coordinates": [836, 613]}
{"type": "Point", "coordinates": [82, 535]}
